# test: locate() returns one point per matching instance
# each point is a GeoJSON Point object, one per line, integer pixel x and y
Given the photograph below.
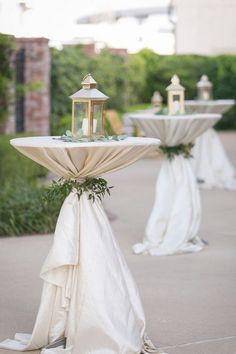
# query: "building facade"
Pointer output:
{"type": "Point", "coordinates": [205, 27]}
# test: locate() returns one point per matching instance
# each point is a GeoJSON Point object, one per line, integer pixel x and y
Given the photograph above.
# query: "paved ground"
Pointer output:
{"type": "Point", "coordinates": [189, 300]}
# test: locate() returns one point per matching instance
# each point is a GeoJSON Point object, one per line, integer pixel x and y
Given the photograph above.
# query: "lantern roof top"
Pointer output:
{"type": "Point", "coordinates": [88, 80]}
{"type": "Point", "coordinates": [175, 84]}
{"type": "Point", "coordinates": [204, 82]}
{"type": "Point", "coordinates": [89, 90]}
{"type": "Point", "coordinates": [156, 97]}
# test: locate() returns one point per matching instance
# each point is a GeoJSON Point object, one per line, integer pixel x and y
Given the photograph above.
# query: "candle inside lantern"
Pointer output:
{"type": "Point", "coordinates": [205, 95]}
{"type": "Point", "coordinates": [85, 126]}
{"type": "Point", "coordinates": [176, 106]}
{"type": "Point", "coordinates": [204, 87]}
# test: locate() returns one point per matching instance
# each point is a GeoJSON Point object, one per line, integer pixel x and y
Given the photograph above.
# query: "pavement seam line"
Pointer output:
{"type": "Point", "coordinates": [199, 342]}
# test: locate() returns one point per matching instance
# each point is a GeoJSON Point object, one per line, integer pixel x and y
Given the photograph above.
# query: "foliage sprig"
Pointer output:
{"type": "Point", "coordinates": [181, 149]}
{"type": "Point", "coordinates": [68, 137]}
{"type": "Point", "coordinates": [95, 187]}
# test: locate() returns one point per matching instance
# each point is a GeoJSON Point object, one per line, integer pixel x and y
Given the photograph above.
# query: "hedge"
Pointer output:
{"type": "Point", "coordinates": [115, 76]}
{"type": "Point", "coordinates": [22, 209]}
{"type": "Point", "coordinates": [14, 165]}
{"type": "Point", "coordinates": [221, 70]}
{"type": "Point", "coordinates": [7, 46]}
{"type": "Point", "coordinates": [132, 81]}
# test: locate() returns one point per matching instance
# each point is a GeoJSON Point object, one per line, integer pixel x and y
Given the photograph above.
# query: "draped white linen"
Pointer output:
{"type": "Point", "coordinates": [211, 106]}
{"type": "Point", "coordinates": [89, 296]}
{"type": "Point", "coordinates": [211, 164]}
{"type": "Point", "coordinates": [175, 218]}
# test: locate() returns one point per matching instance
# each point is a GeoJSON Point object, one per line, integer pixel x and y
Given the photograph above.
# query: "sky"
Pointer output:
{"type": "Point", "coordinates": [56, 20]}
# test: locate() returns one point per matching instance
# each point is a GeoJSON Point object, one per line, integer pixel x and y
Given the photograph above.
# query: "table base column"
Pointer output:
{"type": "Point", "coordinates": [211, 165]}
{"type": "Point", "coordinates": [89, 295]}
{"type": "Point", "coordinates": [175, 218]}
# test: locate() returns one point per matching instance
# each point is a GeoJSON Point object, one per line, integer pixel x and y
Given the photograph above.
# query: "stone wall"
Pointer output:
{"type": "Point", "coordinates": [37, 86]}
{"type": "Point", "coordinates": [37, 80]}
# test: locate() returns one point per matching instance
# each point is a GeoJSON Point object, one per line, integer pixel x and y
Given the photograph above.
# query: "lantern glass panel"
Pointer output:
{"type": "Point", "coordinates": [176, 103]}
{"type": "Point", "coordinates": [206, 93]}
{"type": "Point", "coordinates": [98, 128]}
{"type": "Point", "coordinates": [80, 121]}
{"type": "Point", "coordinates": [176, 98]}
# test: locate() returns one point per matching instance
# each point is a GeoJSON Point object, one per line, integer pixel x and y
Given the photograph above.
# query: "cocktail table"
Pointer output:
{"type": "Point", "coordinates": [174, 222]}
{"type": "Point", "coordinates": [90, 303]}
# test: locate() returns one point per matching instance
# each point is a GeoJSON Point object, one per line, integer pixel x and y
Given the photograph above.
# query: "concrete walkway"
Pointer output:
{"type": "Point", "coordinates": [189, 300]}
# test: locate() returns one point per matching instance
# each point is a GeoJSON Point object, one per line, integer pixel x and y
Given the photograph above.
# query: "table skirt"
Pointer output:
{"type": "Point", "coordinates": [89, 295]}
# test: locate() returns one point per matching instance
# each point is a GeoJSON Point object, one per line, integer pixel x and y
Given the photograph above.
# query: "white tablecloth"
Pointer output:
{"type": "Point", "coordinates": [89, 295]}
{"type": "Point", "coordinates": [211, 164]}
{"type": "Point", "coordinates": [175, 218]}
{"type": "Point", "coordinates": [211, 106]}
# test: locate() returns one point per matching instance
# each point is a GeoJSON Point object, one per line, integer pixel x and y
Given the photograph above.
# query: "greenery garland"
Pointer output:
{"type": "Point", "coordinates": [95, 187]}
{"type": "Point", "coordinates": [68, 137]}
{"type": "Point", "coordinates": [181, 149]}
{"type": "Point", "coordinates": [165, 111]}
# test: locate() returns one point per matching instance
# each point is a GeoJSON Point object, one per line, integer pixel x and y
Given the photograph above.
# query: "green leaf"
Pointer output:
{"type": "Point", "coordinates": [79, 134]}
{"type": "Point", "coordinates": [172, 151]}
{"type": "Point", "coordinates": [95, 187]}
{"type": "Point", "coordinates": [122, 137]}
{"type": "Point", "coordinates": [67, 137]}
{"type": "Point", "coordinates": [68, 133]}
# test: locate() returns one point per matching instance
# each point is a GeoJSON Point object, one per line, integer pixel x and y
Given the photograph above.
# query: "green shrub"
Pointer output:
{"type": "Point", "coordinates": [133, 80]}
{"type": "Point", "coordinates": [225, 87]}
{"type": "Point", "coordinates": [68, 67]}
{"type": "Point", "coordinates": [23, 211]}
{"type": "Point", "coordinates": [13, 163]}
{"type": "Point", "coordinates": [115, 76]}
{"type": "Point", "coordinates": [60, 126]}
{"type": "Point", "coordinates": [138, 107]}
{"type": "Point", "coordinates": [221, 70]}
{"type": "Point", "coordinates": [7, 45]}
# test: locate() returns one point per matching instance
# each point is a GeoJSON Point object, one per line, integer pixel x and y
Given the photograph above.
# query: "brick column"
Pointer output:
{"type": "Point", "coordinates": [37, 81]}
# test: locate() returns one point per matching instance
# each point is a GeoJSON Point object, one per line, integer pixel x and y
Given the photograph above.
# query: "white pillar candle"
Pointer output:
{"type": "Point", "coordinates": [85, 127]}
{"type": "Point", "coordinates": [205, 95]}
{"type": "Point", "coordinates": [176, 107]}
{"type": "Point", "coordinates": [94, 125]}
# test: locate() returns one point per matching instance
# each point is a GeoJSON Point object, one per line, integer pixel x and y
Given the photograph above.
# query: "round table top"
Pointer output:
{"type": "Point", "coordinates": [173, 130]}
{"type": "Point", "coordinates": [80, 160]}
{"type": "Point", "coordinates": [229, 102]}
{"type": "Point", "coordinates": [54, 142]}
{"type": "Point", "coordinates": [190, 116]}
{"type": "Point", "coordinates": [210, 106]}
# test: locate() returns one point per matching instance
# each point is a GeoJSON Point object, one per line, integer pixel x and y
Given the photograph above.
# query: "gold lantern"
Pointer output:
{"type": "Point", "coordinates": [88, 110]}
{"type": "Point", "coordinates": [204, 88]}
{"type": "Point", "coordinates": [175, 96]}
{"type": "Point", "coordinates": [157, 100]}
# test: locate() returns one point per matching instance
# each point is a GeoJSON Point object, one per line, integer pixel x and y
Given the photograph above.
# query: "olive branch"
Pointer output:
{"type": "Point", "coordinates": [78, 138]}
{"type": "Point", "coordinates": [181, 149]}
{"type": "Point", "coordinates": [96, 188]}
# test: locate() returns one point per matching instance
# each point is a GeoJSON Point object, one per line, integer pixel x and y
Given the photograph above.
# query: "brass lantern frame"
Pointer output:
{"type": "Point", "coordinates": [91, 97]}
